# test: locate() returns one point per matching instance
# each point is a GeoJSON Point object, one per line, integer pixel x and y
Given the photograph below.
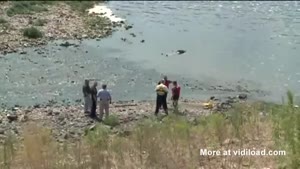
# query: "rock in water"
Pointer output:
{"type": "Point", "coordinates": [128, 27]}
{"type": "Point", "coordinates": [242, 96]}
{"type": "Point", "coordinates": [66, 44]}
{"type": "Point", "coordinates": [142, 41]}
{"type": "Point", "coordinates": [181, 52]}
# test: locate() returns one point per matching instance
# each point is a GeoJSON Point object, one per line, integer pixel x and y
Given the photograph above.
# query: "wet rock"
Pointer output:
{"type": "Point", "coordinates": [127, 27]}
{"type": "Point", "coordinates": [123, 39]}
{"type": "Point", "coordinates": [242, 96]}
{"type": "Point", "coordinates": [180, 52]}
{"type": "Point", "coordinates": [12, 117]}
{"type": "Point", "coordinates": [40, 52]}
{"type": "Point", "coordinates": [133, 35]}
{"type": "Point", "coordinates": [23, 53]}
{"type": "Point", "coordinates": [142, 41]}
{"type": "Point", "coordinates": [81, 67]}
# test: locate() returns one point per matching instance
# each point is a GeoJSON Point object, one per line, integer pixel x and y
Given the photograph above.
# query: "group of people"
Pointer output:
{"type": "Point", "coordinates": [92, 97]}
{"type": "Point", "coordinates": [102, 97]}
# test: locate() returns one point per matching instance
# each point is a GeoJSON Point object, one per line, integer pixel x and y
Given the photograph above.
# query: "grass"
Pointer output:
{"type": "Point", "coordinates": [32, 33]}
{"type": "Point", "coordinates": [28, 7]}
{"type": "Point", "coordinates": [172, 142]}
{"type": "Point", "coordinates": [81, 6]}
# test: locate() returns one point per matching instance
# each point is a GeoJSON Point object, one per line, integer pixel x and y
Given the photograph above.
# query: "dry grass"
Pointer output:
{"type": "Point", "coordinates": [173, 143]}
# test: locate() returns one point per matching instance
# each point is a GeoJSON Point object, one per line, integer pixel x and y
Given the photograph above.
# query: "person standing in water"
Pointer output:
{"type": "Point", "coordinates": [104, 99]}
{"type": "Point", "coordinates": [94, 100]}
{"type": "Point", "coordinates": [86, 90]}
{"type": "Point", "coordinates": [175, 94]}
{"type": "Point", "coordinates": [161, 92]}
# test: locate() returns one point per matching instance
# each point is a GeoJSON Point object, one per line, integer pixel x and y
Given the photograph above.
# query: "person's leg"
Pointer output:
{"type": "Point", "coordinates": [85, 104]}
{"type": "Point", "coordinates": [94, 107]}
{"type": "Point", "coordinates": [106, 109]}
{"type": "Point", "coordinates": [164, 103]}
{"type": "Point", "coordinates": [158, 104]}
{"type": "Point", "coordinates": [101, 108]}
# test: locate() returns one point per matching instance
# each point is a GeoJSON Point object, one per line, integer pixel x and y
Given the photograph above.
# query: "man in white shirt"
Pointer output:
{"type": "Point", "coordinates": [161, 91]}
{"type": "Point", "coordinates": [104, 99]}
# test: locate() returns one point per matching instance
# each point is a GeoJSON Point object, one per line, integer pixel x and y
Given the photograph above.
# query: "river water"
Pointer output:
{"type": "Point", "coordinates": [236, 45]}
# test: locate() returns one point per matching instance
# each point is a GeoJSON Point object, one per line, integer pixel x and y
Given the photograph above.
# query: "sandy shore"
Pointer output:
{"type": "Point", "coordinates": [70, 123]}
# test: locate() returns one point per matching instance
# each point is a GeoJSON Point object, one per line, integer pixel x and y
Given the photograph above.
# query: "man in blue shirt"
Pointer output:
{"type": "Point", "coordinates": [104, 99]}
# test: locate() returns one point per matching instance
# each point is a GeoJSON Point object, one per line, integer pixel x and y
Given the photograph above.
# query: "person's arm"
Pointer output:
{"type": "Point", "coordinates": [109, 97]}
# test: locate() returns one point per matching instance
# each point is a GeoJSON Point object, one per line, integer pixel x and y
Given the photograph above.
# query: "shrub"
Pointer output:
{"type": "Point", "coordinates": [2, 20]}
{"type": "Point", "coordinates": [32, 32]}
{"type": "Point", "coordinates": [27, 7]}
{"type": "Point", "coordinates": [111, 121]}
{"type": "Point", "coordinates": [81, 6]}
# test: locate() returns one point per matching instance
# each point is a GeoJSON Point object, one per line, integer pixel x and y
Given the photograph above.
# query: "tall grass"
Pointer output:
{"type": "Point", "coordinates": [172, 142]}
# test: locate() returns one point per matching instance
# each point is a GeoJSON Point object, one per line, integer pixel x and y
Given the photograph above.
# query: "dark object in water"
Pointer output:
{"type": "Point", "coordinates": [128, 27]}
{"type": "Point", "coordinates": [66, 44]}
{"type": "Point", "coordinates": [242, 96]}
{"type": "Point", "coordinates": [133, 35]}
{"type": "Point", "coordinates": [123, 39]}
{"type": "Point", "coordinates": [181, 52]}
{"type": "Point", "coordinates": [142, 41]}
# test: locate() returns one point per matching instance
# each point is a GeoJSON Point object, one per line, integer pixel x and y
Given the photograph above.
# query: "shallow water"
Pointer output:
{"type": "Point", "coordinates": [248, 44]}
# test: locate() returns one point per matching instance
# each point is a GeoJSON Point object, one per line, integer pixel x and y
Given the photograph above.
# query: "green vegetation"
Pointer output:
{"type": "Point", "coordinates": [97, 23]}
{"type": "Point", "coordinates": [173, 142]}
{"type": "Point", "coordinates": [27, 7]}
{"type": "Point", "coordinates": [81, 6]}
{"type": "Point", "coordinates": [39, 22]}
{"type": "Point", "coordinates": [111, 121]}
{"type": "Point", "coordinates": [32, 32]}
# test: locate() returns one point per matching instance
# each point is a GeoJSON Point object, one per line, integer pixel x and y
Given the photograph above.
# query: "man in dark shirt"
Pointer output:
{"type": "Point", "coordinates": [94, 99]}
{"type": "Point", "coordinates": [175, 94]}
{"type": "Point", "coordinates": [86, 90]}
{"type": "Point", "coordinates": [166, 81]}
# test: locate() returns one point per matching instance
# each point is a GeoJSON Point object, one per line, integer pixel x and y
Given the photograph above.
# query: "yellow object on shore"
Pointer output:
{"type": "Point", "coordinates": [208, 105]}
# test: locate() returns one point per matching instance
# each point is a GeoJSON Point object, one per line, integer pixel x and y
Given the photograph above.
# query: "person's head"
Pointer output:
{"type": "Point", "coordinates": [165, 78]}
{"type": "Point", "coordinates": [95, 84]}
{"type": "Point", "coordinates": [175, 83]}
{"type": "Point", "coordinates": [86, 82]}
{"type": "Point", "coordinates": [104, 86]}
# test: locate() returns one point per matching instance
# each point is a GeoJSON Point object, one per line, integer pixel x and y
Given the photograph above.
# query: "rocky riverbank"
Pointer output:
{"type": "Point", "coordinates": [55, 20]}
{"type": "Point", "coordinates": [70, 123]}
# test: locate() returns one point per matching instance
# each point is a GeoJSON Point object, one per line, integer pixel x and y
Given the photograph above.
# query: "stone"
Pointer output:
{"type": "Point", "coordinates": [12, 117]}
{"type": "Point", "coordinates": [242, 96]}
{"type": "Point", "coordinates": [180, 52]}
{"type": "Point", "coordinates": [127, 27]}
{"type": "Point", "coordinates": [142, 41]}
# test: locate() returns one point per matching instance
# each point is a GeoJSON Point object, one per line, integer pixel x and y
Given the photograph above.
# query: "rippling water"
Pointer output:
{"type": "Point", "coordinates": [228, 43]}
{"type": "Point", "coordinates": [225, 41]}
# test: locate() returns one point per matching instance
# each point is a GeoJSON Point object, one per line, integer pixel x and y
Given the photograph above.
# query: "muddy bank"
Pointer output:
{"type": "Point", "coordinates": [70, 123]}
{"type": "Point", "coordinates": [55, 21]}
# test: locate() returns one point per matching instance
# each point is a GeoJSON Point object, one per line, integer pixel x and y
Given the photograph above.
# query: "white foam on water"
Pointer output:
{"type": "Point", "coordinates": [106, 12]}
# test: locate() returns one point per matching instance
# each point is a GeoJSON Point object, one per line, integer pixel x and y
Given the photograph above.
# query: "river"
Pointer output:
{"type": "Point", "coordinates": [249, 45]}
